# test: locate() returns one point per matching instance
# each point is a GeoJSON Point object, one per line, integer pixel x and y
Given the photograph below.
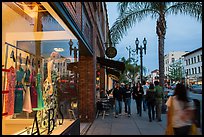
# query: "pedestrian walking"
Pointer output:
{"type": "Point", "coordinates": [123, 88]}
{"type": "Point", "coordinates": [159, 97]}
{"type": "Point", "coordinates": [138, 93]}
{"type": "Point", "coordinates": [144, 102]}
{"type": "Point", "coordinates": [127, 97]}
{"type": "Point", "coordinates": [182, 111]}
{"type": "Point", "coordinates": [117, 95]}
{"type": "Point", "coordinates": [150, 98]}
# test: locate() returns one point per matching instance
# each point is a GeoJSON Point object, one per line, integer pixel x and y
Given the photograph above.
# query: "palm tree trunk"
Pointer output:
{"type": "Point", "coordinates": [161, 31]}
{"type": "Point", "coordinates": [161, 60]}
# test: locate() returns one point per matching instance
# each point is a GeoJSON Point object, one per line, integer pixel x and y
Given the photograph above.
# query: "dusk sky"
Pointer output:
{"type": "Point", "coordinates": [183, 33]}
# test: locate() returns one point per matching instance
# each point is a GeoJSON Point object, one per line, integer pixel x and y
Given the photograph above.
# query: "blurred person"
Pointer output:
{"type": "Point", "coordinates": [144, 102]}
{"type": "Point", "coordinates": [150, 98]}
{"type": "Point", "coordinates": [117, 95]}
{"type": "Point", "coordinates": [183, 111]}
{"type": "Point", "coordinates": [159, 98]}
{"type": "Point", "coordinates": [102, 93]}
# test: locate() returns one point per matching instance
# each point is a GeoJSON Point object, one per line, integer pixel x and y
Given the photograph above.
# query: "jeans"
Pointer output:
{"type": "Point", "coordinates": [151, 112]}
{"type": "Point", "coordinates": [158, 108]}
{"type": "Point", "coordinates": [125, 103]}
{"type": "Point", "coordinates": [128, 102]}
{"type": "Point", "coordinates": [144, 102]}
{"type": "Point", "coordinates": [139, 106]}
{"type": "Point", "coordinates": [118, 107]}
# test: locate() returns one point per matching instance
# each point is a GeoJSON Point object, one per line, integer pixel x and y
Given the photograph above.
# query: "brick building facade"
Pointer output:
{"type": "Point", "coordinates": [92, 21]}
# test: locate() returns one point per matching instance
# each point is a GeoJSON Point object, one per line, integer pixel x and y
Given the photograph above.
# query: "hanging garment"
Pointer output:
{"type": "Point", "coordinates": [27, 101]}
{"type": "Point", "coordinates": [33, 91]}
{"type": "Point", "coordinates": [9, 98]}
{"type": "Point", "coordinates": [18, 103]}
{"type": "Point", "coordinates": [39, 92]}
{"type": "Point", "coordinates": [27, 76]}
{"type": "Point", "coordinates": [48, 87]}
{"type": "Point", "coordinates": [19, 75]}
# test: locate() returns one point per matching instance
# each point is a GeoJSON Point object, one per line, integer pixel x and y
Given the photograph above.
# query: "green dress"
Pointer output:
{"type": "Point", "coordinates": [18, 103]}
{"type": "Point", "coordinates": [39, 93]}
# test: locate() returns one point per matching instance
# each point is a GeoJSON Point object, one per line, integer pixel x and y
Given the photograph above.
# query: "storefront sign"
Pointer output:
{"type": "Point", "coordinates": [111, 52]}
{"type": "Point", "coordinates": [51, 122]}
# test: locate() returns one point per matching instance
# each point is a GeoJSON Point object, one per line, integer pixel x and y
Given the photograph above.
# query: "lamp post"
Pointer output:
{"type": "Point", "coordinates": [129, 52]}
{"type": "Point", "coordinates": [141, 49]}
{"type": "Point", "coordinates": [186, 79]}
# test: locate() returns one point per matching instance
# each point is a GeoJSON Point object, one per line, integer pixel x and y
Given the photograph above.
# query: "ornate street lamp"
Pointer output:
{"type": "Point", "coordinates": [70, 48]}
{"type": "Point", "coordinates": [141, 49]}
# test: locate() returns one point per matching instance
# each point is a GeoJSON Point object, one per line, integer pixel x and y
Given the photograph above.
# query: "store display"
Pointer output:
{"type": "Point", "coordinates": [20, 75]}
{"type": "Point", "coordinates": [12, 56]}
{"type": "Point", "coordinates": [40, 102]}
{"type": "Point", "coordinates": [27, 76]}
{"type": "Point", "coordinates": [33, 91]}
{"type": "Point", "coordinates": [27, 101]}
{"type": "Point", "coordinates": [48, 87]}
{"type": "Point", "coordinates": [18, 103]}
{"type": "Point", "coordinates": [37, 69]}
{"type": "Point", "coordinates": [9, 98]}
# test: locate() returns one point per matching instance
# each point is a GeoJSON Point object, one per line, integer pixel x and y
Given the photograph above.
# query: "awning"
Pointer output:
{"type": "Point", "coordinates": [112, 72]}
{"type": "Point", "coordinates": [111, 64]}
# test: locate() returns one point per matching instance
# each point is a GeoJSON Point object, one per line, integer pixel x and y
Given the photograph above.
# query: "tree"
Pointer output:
{"type": "Point", "coordinates": [175, 71]}
{"type": "Point", "coordinates": [131, 70]}
{"type": "Point", "coordinates": [132, 12]}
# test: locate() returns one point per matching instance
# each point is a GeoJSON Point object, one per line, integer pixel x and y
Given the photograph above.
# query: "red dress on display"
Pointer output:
{"type": "Point", "coordinates": [9, 98]}
{"type": "Point", "coordinates": [33, 91]}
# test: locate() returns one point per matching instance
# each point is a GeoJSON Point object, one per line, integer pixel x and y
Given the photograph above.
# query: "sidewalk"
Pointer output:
{"type": "Point", "coordinates": [124, 125]}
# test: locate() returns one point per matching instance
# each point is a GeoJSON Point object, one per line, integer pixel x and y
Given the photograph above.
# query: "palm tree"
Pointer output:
{"type": "Point", "coordinates": [132, 12]}
{"type": "Point", "coordinates": [131, 69]}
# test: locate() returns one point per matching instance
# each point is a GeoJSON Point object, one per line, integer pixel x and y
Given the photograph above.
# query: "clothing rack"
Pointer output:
{"type": "Point", "coordinates": [5, 69]}
{"type": "Point", "coordinates": [19, 48]}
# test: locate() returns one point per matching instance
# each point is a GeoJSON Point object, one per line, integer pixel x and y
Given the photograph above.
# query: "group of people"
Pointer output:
{"type": "Point", "coordinates": [152, 99]}
{"type": "Point", "coordinates": [181, 117]}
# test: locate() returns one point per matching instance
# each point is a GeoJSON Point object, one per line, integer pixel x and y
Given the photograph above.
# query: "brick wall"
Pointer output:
{"type": "Point", "coordinates": [86, 89]}
{"type": "Point", "coordinates": [87, 64]}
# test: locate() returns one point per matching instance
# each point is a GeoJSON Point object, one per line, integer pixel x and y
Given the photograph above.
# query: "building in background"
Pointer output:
{"type": "Point", "coordinates": [154, 76]}
{"type": "Point", "coordinates": [170, 58]}
{"type": "Point", "coordinates": [193, 66]}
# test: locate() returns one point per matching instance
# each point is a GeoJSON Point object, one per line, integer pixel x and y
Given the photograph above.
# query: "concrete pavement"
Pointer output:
{"type": "Point", "coordinates": [124, 125]}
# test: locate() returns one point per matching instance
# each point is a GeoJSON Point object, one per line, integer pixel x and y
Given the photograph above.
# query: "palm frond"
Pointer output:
{"type": "Point", "coordinates": [130, 13]}
{"type": "Point", "coordinates": [126, 21]}
{"type": "Point", "coordinates": [193, 9]}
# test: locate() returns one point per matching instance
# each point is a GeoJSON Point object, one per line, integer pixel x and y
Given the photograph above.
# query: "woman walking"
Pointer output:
{"type": "Point", "coordinates": [137, 94]}
{"type": "Point", "coordinates": [182, 117]}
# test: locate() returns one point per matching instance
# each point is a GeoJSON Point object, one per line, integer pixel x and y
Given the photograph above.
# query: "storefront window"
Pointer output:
{"type": "Point", "coordinates": [40, 82]}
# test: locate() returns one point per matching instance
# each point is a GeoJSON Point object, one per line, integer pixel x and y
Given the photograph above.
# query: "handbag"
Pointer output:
{"type": "Point", "coordinates": [194, 129]}
{"type": "Point", "coordinates": [169, 129]}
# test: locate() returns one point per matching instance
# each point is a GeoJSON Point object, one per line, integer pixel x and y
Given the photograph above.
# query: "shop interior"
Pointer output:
{"type": "Point", "coordinates": [39, 70]}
